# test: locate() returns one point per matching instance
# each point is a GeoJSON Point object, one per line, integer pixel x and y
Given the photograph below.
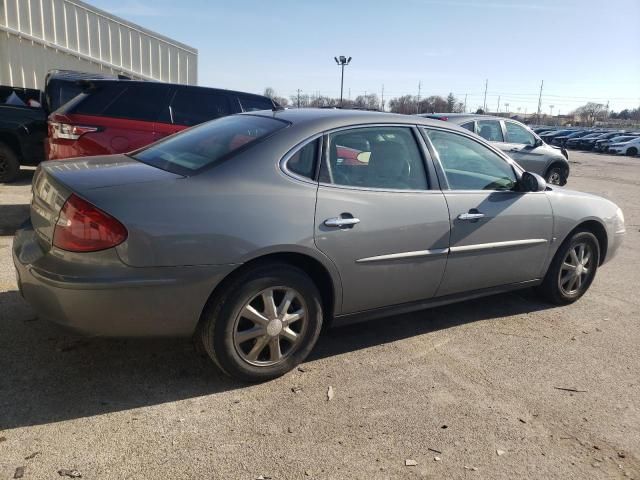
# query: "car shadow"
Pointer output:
{"type": "Point", "coordinates": [11, 217]}
{"type": "Point", "coordinates": [51, 375]}
{"type": "Point", "coordinates": [25, 177]}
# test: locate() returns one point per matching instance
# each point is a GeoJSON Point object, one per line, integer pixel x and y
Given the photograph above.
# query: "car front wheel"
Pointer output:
{"type": "Point", "coordinates": [556, 176]}
{"type": "Point", "coordinates": [264, 323]}
{"type": "Point", "coordinates": [572, 270]}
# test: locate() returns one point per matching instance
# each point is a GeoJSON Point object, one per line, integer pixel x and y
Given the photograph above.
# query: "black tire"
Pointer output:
{"type": "Point", "coordinates": [632, 151]}
{"type": "Point", "coordinates": [222, 316]}
{"type": "Point", "coordinates": [552, 286]}
{"type": "Point", "coordinates": [556, 175]}
{"type": "Point", "coordinates": [9, 164]}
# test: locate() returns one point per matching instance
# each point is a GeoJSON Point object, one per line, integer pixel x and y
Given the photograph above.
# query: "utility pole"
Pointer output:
{"type": "Point", "coordinates": [486, 85]}
{"type": "Point", "coordinates": [540, 101]}
{"type": "Point", "coordinates": [506, 106]}
{"type": "Point", "coordinates": [418, 105]}
{"type": "Point", "coordinates": [551, 111]}
{"type": "Point", "coordinates": [498, 111]}
{"type": "Point", "coordinates": [465, 103]}
{"type": "Point", "coordinates": [298, 98]}
{"type": "Point", "coordinates": [382, 99]}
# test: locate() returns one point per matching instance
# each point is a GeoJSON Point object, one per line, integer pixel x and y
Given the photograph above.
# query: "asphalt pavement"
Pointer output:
{"type": "Point", "coordinates": [498, 388]}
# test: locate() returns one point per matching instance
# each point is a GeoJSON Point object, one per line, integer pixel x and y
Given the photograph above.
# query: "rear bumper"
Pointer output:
{"type": "Point", "coordinates": [113, 300]}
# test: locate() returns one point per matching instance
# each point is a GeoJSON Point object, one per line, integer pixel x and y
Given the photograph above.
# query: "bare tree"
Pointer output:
{"type": "Point", "coordinates": [590, 112]}
{"type": "Point", "coordinates": [370, 101]}
{"type": "Point", "coordinates": [282, 101]}
{"type": "Point", "coordinates": [406, 104]}
{"type": "Point", "coordinates": [269, 92]}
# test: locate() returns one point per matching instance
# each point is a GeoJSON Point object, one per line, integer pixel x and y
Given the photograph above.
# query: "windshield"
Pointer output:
{"type": "Point", "coordinates": [207, 144]}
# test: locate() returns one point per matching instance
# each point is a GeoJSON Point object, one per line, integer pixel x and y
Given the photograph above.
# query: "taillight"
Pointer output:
{"type": "Point", "coordinates": [68, 131]}
{"type": "Point", "coordinates": [444, 119]}
{"type": "Point", "coordinates": [81, 227]}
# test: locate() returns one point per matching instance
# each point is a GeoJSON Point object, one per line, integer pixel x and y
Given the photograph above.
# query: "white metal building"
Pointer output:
{"type": "Point", "coordinates": [40, 35]}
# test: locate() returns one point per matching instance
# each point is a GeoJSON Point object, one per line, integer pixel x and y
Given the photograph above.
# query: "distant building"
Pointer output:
{"type": "Point", "coordinates": [41, 35]}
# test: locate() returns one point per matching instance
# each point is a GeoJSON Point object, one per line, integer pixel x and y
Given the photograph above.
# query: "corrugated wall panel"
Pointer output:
{"type": "Point", "coordinates": [38, 35]}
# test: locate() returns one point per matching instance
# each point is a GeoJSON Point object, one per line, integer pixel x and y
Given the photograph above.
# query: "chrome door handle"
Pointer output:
{"type": "Point", "coordinates": [470, 216]}
{"type": "Point", "coordinates": [341, 222]}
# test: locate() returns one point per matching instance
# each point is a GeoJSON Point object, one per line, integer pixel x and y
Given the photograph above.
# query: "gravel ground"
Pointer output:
{"type": "Point", "coordinates": [465, 391]}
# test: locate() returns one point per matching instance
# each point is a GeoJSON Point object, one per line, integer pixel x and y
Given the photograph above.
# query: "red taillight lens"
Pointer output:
{"type": "Point", "coordinates": [81, 227]}
{"type": "Point", "coordinates": [69, 132]}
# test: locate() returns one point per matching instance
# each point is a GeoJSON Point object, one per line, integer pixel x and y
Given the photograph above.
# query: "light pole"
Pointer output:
{"type": "Point", "coordinates": [551, 111]}
{"type": "Point", "coordinates": [342, 61]}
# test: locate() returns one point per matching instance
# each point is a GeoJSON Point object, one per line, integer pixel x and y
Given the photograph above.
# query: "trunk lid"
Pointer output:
{"type": "Point", "coordinates": [55, 181]}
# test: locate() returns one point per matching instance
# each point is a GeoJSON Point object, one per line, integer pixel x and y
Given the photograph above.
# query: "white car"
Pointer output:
{"type": "Point", "coordinates": [630, 147]}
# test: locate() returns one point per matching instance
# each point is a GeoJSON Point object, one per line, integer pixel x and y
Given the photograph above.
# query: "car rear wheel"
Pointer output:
{"type": "Point", "coordinates": [572, 270]}
{"type": "Point", "coordinates": [264, 323]}
{"type": "Point", "coordinates": [9, 164]}
{"type": "Point", "coordinates": [632, 151]}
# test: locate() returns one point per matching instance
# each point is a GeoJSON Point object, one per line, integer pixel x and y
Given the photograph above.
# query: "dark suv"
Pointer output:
{"type": "Point", "coordinates": [121, 116]}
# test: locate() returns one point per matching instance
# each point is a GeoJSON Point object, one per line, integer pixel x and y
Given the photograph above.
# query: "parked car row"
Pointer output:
{"type": "Point", "coordinates": [599, 140]}
{"type": "Point", "coordinates": [92, 114]}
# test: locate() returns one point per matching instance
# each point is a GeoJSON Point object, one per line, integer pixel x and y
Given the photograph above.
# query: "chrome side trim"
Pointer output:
{"type": "Point", "coordinates": [398, 256]}
{"type": "Point", "coordinates": [494, 245]}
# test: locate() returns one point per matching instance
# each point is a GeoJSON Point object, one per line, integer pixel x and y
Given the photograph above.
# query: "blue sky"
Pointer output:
{"type": "Point", "coordinates": [585, 50]}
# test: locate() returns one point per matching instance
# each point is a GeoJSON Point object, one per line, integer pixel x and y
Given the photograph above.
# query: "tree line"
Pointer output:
{"type": "Point", "coordinates": [407, 104]}
{"type": "Point", "coordinates": [590, 113]}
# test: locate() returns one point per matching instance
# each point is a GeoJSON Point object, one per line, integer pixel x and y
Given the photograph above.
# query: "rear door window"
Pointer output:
{"type": "Point", "coordinates": [251, 104]}
{"type": "Point", "coordinates": [122, 100]}
{"type": "Point", "coordinates": [192, 106]}
{"type": "Point", "coordinates": [138, 102]}
{"type": "Point", "coordinates": [490, 130]}
{"type": "Point", "coordinates": [469, 126]}
{"type": "Point", "coordinates": [303, 162]}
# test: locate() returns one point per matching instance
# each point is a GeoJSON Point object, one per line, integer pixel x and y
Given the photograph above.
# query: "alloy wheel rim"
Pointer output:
{"type": "Point", "coordinates": [554, 178]}
{"type": "Point", "coordinates": [576, 268]}
{"type": "Point", "coordinates": [270, 326]}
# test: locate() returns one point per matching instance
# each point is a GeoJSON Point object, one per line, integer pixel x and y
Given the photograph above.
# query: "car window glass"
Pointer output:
{"type": "Point", "coordinates": [95, 101]}
{"type": "Point", "coordinates": [469, 126]}
{"type": "Point", "coordinates": [191, 106]}
{"type": "Point", "coordinates": [251, 104]}
{"type": "Point", "coordinates": [518, 134]}
{"type": "Point", "coordinates": [490, 130]}
{"type": "Point", "coordinates": [375, 157]}
{"type": "Point", "coordinates": [469, 165]}
{"type": "Point", "coordinates": [207, 144]}
{"type": "Point", "coordinates": [303, 162]}
{"type": "Point", "coordinates": [138, 102]}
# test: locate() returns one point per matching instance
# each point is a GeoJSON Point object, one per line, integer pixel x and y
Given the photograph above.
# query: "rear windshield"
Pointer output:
{"type": "Point", "coordinates": [207, 144]}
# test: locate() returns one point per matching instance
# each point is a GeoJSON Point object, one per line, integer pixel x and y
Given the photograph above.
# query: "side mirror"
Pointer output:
{"type": "Point", "coordinates": [532, 182]}
{"type": "Point", "coordinates": [537, 143]}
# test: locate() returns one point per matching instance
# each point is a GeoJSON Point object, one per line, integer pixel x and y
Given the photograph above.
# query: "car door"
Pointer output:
{"type": "Point", "coordinates": [380, 218]}
{"type": "Point", "coordinates": [499, 236]}
{"type": "Point", "coordinates": [522, 145]}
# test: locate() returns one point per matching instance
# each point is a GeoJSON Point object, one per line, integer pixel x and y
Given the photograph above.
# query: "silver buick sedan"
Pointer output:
{"type": "Point", "coordinates": [252, 231]}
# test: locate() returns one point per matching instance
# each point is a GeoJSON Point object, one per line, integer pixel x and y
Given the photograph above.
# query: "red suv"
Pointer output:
{"type": "Point", "coordinates": [118, 116]}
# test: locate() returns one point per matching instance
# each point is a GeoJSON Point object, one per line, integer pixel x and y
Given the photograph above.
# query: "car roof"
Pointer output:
{"type": "Point", "coordinates": [459, 118]}
{"type": "Point", "coordinates": [182, 85]}
{"type": "Point", "coordinates": [321, 119]}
